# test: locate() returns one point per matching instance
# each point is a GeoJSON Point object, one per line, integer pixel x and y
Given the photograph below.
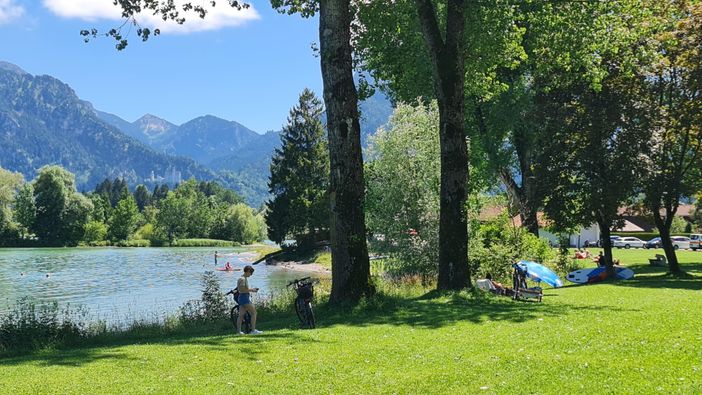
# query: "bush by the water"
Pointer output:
{"type": "Point", "coordinates": [203, 243]}
{"type": "Point", "coordinates": [28, 326]}
{"type": "Point", "coordinates": [133, 243]}
{"type": "Point", "coordinates": [212, 305]}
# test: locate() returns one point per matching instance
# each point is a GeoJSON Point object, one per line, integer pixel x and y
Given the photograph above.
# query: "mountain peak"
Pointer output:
{"type": "Point", "coordinates": [210, 118]}
{"type": "Point", "coordinates": [149, 118]}
{"type": "Point", "coordinates": [153, 126]}
{"type": "Point", "coordinates": [12, 68]}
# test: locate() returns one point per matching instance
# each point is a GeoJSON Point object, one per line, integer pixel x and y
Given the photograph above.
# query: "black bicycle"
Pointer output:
{"type": "Point", "coordinates": [234, 313]}
{"type": "Point", "coordinates": [304, 288]}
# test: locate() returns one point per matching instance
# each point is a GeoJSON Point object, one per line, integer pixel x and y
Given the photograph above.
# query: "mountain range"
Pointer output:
{"type": "Point", "coordinates": [42, 121]}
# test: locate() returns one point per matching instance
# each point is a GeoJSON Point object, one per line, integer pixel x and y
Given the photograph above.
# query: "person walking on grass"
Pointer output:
{"type": "Point", "coordinates": [245, 301]}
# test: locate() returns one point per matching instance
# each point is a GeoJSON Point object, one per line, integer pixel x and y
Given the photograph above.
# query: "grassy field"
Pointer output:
{"type": "Point", "coordinates": [639, 336]}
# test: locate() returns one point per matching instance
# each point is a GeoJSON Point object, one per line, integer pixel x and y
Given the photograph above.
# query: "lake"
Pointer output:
{"type": "Point", "coordinates": [120, 285]}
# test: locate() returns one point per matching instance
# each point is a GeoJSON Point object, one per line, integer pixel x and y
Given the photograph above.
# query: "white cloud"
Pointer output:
{"type": "Point", "coordinates": [217, 17]}
{"type": "Point", "coordinates": [9, 11]}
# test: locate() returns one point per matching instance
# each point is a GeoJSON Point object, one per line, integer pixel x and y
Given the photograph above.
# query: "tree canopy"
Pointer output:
{"type": "Point", "coordinates": [299, 178]}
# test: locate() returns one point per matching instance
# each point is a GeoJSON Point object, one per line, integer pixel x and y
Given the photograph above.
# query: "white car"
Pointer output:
{"type": "Point", "coordinates": [696, 242]}
{"type": "Point", "coordinates": [628, 242]}
{"type": "Point", "coordinates": [680, 242]}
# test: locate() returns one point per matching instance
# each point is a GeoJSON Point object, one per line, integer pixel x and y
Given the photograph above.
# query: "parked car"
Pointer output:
{"type": "Point", "coordinates": [600, 242]}
{"type": "Point", "coordinates": [628, 242]}
{"type": "Point", "coordinates": [680, 242]}
{"type": "Point", "coordinates": [696, 242]}
{"type": "Point", "coordinates": [654, 243]}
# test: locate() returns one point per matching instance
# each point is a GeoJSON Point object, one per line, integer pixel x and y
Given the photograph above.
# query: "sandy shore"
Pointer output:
{"type": "Point", "coordinates": [301, 267]}
{"type": "Point", "coordinates": [315, 268]}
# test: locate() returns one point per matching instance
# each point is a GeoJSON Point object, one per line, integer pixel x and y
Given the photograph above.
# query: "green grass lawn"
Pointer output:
{"type": "Point", "coordinates": [632, 337]}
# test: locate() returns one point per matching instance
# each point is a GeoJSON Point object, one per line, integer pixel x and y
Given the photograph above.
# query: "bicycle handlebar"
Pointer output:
{"type": "Point", "coordinates": [298, 281]}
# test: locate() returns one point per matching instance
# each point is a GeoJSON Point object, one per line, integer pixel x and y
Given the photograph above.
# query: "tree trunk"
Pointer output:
{"type": "Point", "coordinates": [519, 196]}
{"type": "Point", "coordinates": [448, 68]}
{"type": "Point", "coordinates": [530, 220]}
{"type": "Point", "coordinates": [607, 246]}
{"type": "Point", "coordinates": [529, 198]}
{"type": "Point", "coordinates": [350, 264]}
{"type": "Point", "coordinates": [664, 231]}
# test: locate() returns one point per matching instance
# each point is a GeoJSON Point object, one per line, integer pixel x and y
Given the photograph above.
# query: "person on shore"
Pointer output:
{"type": "Point", "coordinates": [244, 301]}
{"type": "Point", "coordinates": [600, 259]}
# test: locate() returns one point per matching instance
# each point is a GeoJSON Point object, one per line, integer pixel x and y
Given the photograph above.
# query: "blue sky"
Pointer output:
{"type": "Point", "coordinates": [248, 67]}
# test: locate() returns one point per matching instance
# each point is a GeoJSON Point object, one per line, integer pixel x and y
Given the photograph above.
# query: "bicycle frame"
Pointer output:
{"type": "Point", "coordinates": [303, 302]}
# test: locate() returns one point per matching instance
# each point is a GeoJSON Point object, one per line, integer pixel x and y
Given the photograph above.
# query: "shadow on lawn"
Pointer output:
{"type": "Point", "coordinates": [648, 276]}
{"type": "Point", "coordinates": [211, 336]}
{"type": "Point", "coordinates": [433, 310]}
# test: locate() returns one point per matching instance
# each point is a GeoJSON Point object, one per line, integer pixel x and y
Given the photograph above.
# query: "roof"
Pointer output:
{"type": "Point", "coordinates": [634, 220]}
{"type": "Point", "coordinates": [636, 224]}
{"type": "Point", "coordinates": [491, 212]}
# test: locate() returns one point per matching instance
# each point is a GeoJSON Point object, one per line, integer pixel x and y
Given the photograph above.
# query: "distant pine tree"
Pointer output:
{"type": "Point", "coordinates": [299, 179]}
{"type": "Point", "coordinates": [142, 196]}
{"type": "Point", "coordinates": [160, 193]}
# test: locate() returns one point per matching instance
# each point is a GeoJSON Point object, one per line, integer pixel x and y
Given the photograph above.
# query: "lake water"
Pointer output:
{"type": "Point", "coordinates": [120, 285]}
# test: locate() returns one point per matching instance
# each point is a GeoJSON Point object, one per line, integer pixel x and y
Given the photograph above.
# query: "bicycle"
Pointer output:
{"type": "Point", "coordinates": [234, 313]}
{"type": "Point", "coordinates": [304, 288]}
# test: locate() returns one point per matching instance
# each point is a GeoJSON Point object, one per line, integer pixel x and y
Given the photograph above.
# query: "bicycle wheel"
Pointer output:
{"type": "Point", "coordinates": [309, 314]}
{"type": "Point", "coordinates": [233, 315]}
{"type": "Point", "coordinates": [246, 323]}
{"type": "Point", "coordinates": [300, 311]}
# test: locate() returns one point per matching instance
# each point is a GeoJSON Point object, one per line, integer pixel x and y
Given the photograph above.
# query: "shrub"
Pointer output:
{"type": "Point", "coordinates": [402, 182]}
{"type": "Point", "coordinates": [202, 243]}
{"type": "Point", "coordinates": [95, 232]}
{"type": "Point", "coordinates": [28, 327]}
{"type": "Point", "coordinates": [497, 245]}
{"type": "Point", "coordinates": [133, 243]}
{"type": "Point", "coordinates": [212, 305]}
{"type": "Point", "coordinates": [145, 232]}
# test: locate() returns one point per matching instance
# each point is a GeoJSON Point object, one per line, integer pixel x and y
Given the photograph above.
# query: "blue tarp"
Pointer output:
{"type": "Point", "coordinates": [538, 273]}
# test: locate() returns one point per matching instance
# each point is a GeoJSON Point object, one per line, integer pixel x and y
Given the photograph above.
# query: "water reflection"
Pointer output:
{"type": "Point", "coordinates": [118, 284]}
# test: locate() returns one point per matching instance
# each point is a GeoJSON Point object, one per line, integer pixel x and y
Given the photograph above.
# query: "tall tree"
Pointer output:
{"type": "Point", "coordinates": [169, 216]}
{"type": "Point", "coordinates": [61, 211]}
{"type": "Point", "coordinates": [198, 213]}
{"type": "Point", "coordinates": [350, 263]}
{"type": "Point", "coordinates": [10, 182]}
{"type": "Point", "coordinates": [119, 191]}
{"type": "Point", "coordinates": [104, 188]}
{"type": "Point", "coordinates": [403, 177]}
{"type": "Point", "coordinates": [595, 145]}
{"type": "Point", "coordinates": [142, 197]}
{"type": "Point", "coordinates": [447, 57]}
{"type": "Point", "coordinates": [101, 207]}
{"type": "Point", "coordinates": [299, 176]}
{"type": "Point", "coordinates": [160, 192]}
{"type": "Point", "coordinates": [25, 208]}
{"type": "Point", "coordinates": [124, 219]}
{"type": "Point", "coordinates": [674, 166]}
{"type": "Point", "coordinates": [445, 52]}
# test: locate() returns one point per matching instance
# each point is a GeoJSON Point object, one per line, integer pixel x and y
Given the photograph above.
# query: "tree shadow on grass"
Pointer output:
{"type": "Point", "coordinates": [211, 336]}
{"type": "Point", "coordinates": [648, 276]}
{"type": "Point", "coordinates": [432, 311]}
